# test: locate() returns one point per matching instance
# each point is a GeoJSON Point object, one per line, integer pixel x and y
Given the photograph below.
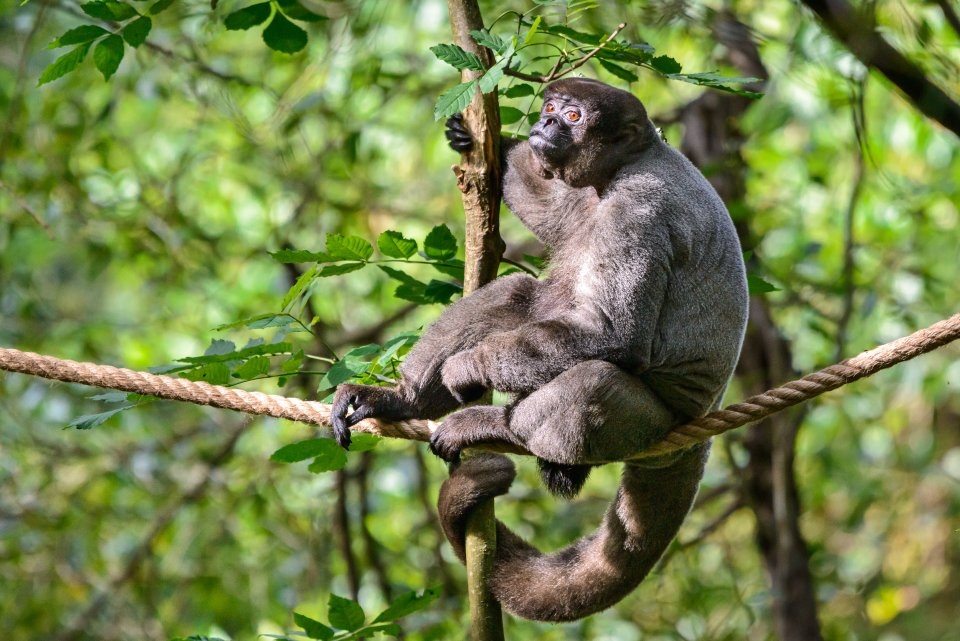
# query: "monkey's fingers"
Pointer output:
{"type": "Point", "coordinates": [457, 134]}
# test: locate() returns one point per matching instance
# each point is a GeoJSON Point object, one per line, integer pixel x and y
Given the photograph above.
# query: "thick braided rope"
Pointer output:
{"type": "Point", "coordinates": [683, 436]}
{"type": "Point", "coordinates": [198, 392]}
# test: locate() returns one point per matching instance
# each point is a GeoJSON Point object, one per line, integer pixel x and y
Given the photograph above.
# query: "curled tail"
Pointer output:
{"type": "Point", "coordinates": [594, 572]}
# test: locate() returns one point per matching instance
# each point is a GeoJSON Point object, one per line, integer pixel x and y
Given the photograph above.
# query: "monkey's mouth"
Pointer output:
{"type": "Point", "coordinates": [548, 151]}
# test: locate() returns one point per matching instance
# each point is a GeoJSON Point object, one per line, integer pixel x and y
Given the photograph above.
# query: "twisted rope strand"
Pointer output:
{"type": "Point", "coordinates": [294, 409]}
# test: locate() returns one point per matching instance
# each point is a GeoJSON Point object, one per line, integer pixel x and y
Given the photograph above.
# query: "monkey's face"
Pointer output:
{"type": "Point", "coordinates": [556, 136]}
{"type": "Point", "coordinates": [586, 132]}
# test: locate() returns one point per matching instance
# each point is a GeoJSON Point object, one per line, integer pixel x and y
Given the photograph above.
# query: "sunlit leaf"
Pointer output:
{"type": "Point", "coordinates": [457, 57]}
{"type": "Point", "coordinates": [440, 243]}
{"type": "Point", "coordinates": [454, 100]}
{"type": "Point", "coordinates": [408, 603]}
{"type": "Point", "coordinates": [339, 269]}
{"type": "Point", "coordinates": [78, 35]}
{"type": "Point", "coordinates": [64, 64]}
{"type": "Point", "coordinates": [302, 450]}
{"type": "Point", "coordinates": [348, 247]}
{"type": "Point", "coordinates": [344, 613]}
{"type": "Point", "coordinates": [393, 245]}
{"type": "Point", "coordinates": [135, 33]}
{"type": "Point", "coordinates": [108, 54]}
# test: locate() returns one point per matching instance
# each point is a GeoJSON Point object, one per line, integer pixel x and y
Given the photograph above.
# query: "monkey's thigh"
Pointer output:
{"type": "Point", "coordinates": [498, 306]}
{"type": "Point", "coordinates": [592, 413]}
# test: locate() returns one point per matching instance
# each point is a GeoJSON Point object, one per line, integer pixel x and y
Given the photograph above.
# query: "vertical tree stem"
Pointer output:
{"type": "Point", "coordinates": [478, 177]}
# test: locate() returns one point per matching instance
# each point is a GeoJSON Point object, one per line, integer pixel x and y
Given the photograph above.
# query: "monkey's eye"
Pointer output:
{"type": "Point", "coordinates": [549, 108]}
{"type": "Point", "coordinates": [573, 115]}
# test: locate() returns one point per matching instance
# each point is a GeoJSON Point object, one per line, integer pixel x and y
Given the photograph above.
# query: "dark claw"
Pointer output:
{"type": "Point", "coordinates": [457, 134]}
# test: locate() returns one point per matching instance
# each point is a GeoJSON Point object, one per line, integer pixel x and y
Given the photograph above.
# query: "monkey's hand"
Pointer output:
{"type": "Point", "coordinates": [463, 375]}
{"type": "Point", "coordinates": [367, 402]}
{"type": "Point", "coordinates": [458, 135]}
{"type": "Point", "coordinates": [468, 427]}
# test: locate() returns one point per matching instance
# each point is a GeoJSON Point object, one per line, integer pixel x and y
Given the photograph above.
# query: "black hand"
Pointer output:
{"type": "Point", "coordinates": [457, 134]}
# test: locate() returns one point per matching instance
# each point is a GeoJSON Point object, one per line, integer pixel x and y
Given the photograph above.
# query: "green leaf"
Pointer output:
{"type": "Point", "coordinates": [331, 459]}
{"type": "Point", "coordinates": [313, 629]}
{"type": "Point", "coordinates": [261, 321]}
{"type": "Point", "coordinates": [243, 19]}
{"type": "Point", "coordinates": [348, 248]}
{"type": "Point", "coordinates": [302, 450]}
{"type": "Point", "coordinates": [665, 65]}
{"type": "Point", "coordinates": [490, 41]}
{"type": "Point", "coordinates": [454, 100]}
{"type": "Point", "coordinates": [519, 90]}
{"type": "Point", "coordinates": [396, 274]}
{"type": "Point", "coordinates": [64, 64]}
{"type": "Point", "coordinates": [457, 57]}
{"type": "Point", "coordinates": [489, 80]}
{"type": "Point", "coordinates": [362, 442]}
{"type": "Point", "coordinates": [440, 292]}
{"type": "Point", "coordinates": [574, 35]}
{"type": "Point", "coordinates": [159, 6]}
{"type": "Point", "coordinates": [284, 36]}
{"type": "Point", "coordinates": [392, 244]}
{"type": "Point", "coordinates": [89, 421]}
{"type": "Point", "coordinates": [253, 368]}
{"type": "Point", "coordinates": [532, 31]}
{"type": "Point", "coordinates": [510, 115]}
{"type": "Point", "coordinates": [408, 603]}
{"type": "Point", "coordinates": [297, 11]}
{"type": "Point", "coordinates": [79, 35]}
{"type": "Point", "coordinates": [618, 71]}
{"type": "Point", "coordinates": [344, 613]}
{"type": "Point", "coordinates": [109, 10]}
{"type": "Point", "coordinates": [757, 285]}
{"type": "Point", "coordinates": [137, 31]}
{"type": "Point", "coordinates": [300, 256]}
{"type": "Point", "coordinates": [350, 366]}
{"type": "Point", "coordinates": [107, 55]}
{"type": "Point", "coordinates": [338, 269]}
{"type": "Point", "coordinates": [213, 373]}
{"type": "Point", "coordinates": [440, 243]}
{"type": "Point", "coordinates": [452, 268]}
{"type": "Point", "coordinates": [219, 356]}
{"type": "Point", "coordinates": [305, 280]}
{"type": "Point", "coordinates": [112, 397]}
{"type": "Point", "coordinates": [393, 346]}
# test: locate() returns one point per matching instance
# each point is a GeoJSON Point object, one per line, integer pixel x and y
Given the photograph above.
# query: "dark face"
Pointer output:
{"type": "Point", "coordinates": [587, 131]}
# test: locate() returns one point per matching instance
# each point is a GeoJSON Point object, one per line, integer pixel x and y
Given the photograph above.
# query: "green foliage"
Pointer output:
{"type": "Point", "coordinates": [513, 56]}
{"type": "Point", "coordinates": [347, 618]}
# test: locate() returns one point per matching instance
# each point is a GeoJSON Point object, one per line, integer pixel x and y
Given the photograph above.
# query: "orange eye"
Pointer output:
{"type": "Point", "coordinates": [549, 108]}
{"type": "Point", "coordinates": [573, 116]}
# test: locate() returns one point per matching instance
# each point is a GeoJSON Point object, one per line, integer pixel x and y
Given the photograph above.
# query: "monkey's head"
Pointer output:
{"type": "Point", "coordinates": [587, 131]}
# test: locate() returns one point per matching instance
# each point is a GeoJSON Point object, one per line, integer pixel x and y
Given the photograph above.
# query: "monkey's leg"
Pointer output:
{"type": "Point", "coordinates": [498, 306]}
{"type": "Point", "coordinates": [590, 414]}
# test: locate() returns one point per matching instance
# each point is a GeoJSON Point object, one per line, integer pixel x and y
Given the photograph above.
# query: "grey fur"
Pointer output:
{"type": "Point", "coordinates": [636, 328]}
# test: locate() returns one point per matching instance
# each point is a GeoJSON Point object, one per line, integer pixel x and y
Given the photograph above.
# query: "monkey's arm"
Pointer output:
{"type": "Point", "coordinates": [611, 314]}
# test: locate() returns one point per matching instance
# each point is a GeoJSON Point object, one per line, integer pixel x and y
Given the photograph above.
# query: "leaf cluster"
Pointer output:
{"type": "Point", "coordinates": [570, 49]}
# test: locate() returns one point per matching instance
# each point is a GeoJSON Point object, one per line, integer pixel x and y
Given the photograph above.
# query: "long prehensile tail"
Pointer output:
{"type": "Point", "coordinates": [594, 572]}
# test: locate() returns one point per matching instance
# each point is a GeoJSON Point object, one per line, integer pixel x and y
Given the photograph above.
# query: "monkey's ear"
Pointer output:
{"type": "Point", "coordinates": [457, 134]}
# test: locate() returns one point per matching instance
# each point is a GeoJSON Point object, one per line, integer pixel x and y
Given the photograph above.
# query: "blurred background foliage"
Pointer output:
{"type": "Point", "coordinates": [136, 215]}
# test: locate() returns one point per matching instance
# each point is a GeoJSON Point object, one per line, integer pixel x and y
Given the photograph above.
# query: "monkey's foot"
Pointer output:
{"type": "Point", "coordinates": [463, 375]}
{"type": "Point", "coordinates": [469, 427]}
